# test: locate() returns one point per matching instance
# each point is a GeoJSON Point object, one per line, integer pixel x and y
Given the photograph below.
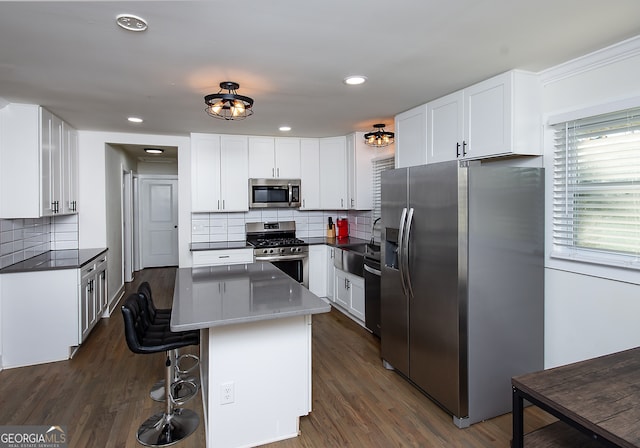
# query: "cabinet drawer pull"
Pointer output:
{"type": "Point", "coordinates": [223, 256]}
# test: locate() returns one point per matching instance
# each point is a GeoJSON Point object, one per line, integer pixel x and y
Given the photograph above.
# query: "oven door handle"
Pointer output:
{"type": "Point", "coordinates": [280, 257]}
{"type": "Point", "coordinates": [372, 270]}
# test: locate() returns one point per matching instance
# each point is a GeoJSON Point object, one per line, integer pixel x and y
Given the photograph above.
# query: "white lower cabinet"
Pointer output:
{"type": "Point", "coordinates": [350, 293]}
{"type": "Point", "coordinates": [222, 257]}
{"type": "Point", "coordinates": [93, 295]}
{"type": "Point", "coordinates": [47, 314]}
{"type": "Point", "coordinates": [331, 273]}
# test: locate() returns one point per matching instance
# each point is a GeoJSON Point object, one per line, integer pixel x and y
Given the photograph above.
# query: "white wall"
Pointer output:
{"type": "Point", "coordinates": [590, 310]}
{"type": "Point", "coordinates": [94, 211]}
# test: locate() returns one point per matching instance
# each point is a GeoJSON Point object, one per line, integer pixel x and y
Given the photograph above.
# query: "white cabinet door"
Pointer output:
{"type": "Point", "coordinates": [318, 270]}
{"type": "Point", "coordinates": [356, 290]}
{"type": "Point", "coordinates": [331, 273]}
{"type": "Point", "coordinates": [46, 151]}
{"type": "Point", "coordinates": [411, 137]}
{"type": "Point", "coordinates": [445, 128]}
{"type": "Point", "coordinates": [69, 169]}
{"type": "Point", "coordinates": [310, 173]}
{"type": "Point", "coordinates": [20, 145]}
{"type": "Point", "coordinates": [502, 116]}
{"type": "Point", "coordinates": [274, 158]}
{"type": "Point", "coordinates": [219, 173]}
{"type": "Point", "coordinates": [333, 173]}
{"type": "Point", "coordinates": [287, 152]}
{"type": "Point", "coordinates": [262, 157]}
{"type": "Point", "coordinates": [234, 165]}
{"type": "Point", "coordinates": [487, 117]}
{"type": "Point", "coordinates": [205, 172]}
{"type": "Point", "coordinates": [343, 294]}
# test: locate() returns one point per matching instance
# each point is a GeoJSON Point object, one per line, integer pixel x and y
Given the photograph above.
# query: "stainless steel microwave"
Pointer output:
{"type": "Point", "coordinates": [265, 193]}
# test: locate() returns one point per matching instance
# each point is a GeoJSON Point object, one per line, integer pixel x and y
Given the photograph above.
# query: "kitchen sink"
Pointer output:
{"type": "Point", "coordinates": [350, 260]}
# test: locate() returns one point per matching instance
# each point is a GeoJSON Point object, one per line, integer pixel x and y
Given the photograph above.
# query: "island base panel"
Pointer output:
{"type": "Point", "coordinates": [256, 381]}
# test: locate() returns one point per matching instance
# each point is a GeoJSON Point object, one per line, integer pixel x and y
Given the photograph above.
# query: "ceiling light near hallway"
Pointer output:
{"type": "Point", "coordinates": [355, 80]}
{"type": "Point", "coordinates": [153, 150]}
{"type": "Point", "coordinates": [229, 105]}
{"type": "Point", "coordinates": [135, 119]}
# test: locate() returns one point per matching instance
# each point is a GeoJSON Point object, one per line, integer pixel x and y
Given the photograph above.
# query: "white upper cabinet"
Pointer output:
{"type": "Point", "coordinates": [274, 158]}
{"type": "Point", "coordinates": [219, 173]}
{"type": "Point", "coordinates": [411, 137]}
{"type": "Point", "coordinates": [496, 117]}
{"type": "Point", "coordinates": [502, 116]}
{"type": "Point", "coordinates": [333, 173]}
{"type": "Point", "coordinates": [445, 128]}
{"type": "Point", "coordinates": [35, 177]}
{"type": "Point", "coordinates": [310, 173]}
{"type": "Point", "coordinates": [287, 158]}
{"type": "Point", "coordinates": [70, 169]}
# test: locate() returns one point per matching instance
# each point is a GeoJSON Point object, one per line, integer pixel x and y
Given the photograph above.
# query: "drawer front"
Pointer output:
{"type": "Point", "coordinates": [222, 257]}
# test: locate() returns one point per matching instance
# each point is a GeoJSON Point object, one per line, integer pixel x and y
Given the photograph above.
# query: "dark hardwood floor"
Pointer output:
{"type": "Point", "coordinates": [101, 395]}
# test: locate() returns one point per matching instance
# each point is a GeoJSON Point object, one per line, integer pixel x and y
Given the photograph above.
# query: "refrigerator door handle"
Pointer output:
{"type": "Point", "coordinates": [403, 219]}
{"type": "Point", "coordinates": [405, 252]}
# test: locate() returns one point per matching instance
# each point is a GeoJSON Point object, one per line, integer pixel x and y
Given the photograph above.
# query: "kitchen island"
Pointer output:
{"type": "Point", "coordinates": [255, 349]}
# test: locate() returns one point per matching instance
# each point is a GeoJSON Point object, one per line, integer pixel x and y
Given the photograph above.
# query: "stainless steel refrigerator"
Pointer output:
{"type": "Point", "coordinates": [462, 281]}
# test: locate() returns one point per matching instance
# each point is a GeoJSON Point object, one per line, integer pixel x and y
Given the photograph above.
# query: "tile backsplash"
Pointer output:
{"type": "Point", "coordinates": [215, 227]}
{"type": "Point", "coordinates": [25, 238]}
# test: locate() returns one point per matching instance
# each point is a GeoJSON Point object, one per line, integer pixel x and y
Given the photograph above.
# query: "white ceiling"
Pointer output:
{"type": "Point", "coordinates": [289, 55]}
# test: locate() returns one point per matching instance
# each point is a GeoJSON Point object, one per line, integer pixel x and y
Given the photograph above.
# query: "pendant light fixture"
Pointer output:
{"type": "Point", "coordinates": [228, 105]}
{"type": "Point", "coordinates": [378, 137]}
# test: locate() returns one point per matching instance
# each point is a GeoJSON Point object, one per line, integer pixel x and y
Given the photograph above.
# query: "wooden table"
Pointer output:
{"type": "Point", "coordinates": [598, 397]}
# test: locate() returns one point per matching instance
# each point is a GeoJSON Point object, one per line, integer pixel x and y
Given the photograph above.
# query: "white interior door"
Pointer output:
{"type": "Point", "coordinates": [159, 222]}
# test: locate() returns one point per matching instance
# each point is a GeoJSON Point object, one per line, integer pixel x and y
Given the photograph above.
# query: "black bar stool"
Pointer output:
{"type": "Point", "coordinates": [183, 391]}
{"type": "Point", "coordinates": [174, 424]}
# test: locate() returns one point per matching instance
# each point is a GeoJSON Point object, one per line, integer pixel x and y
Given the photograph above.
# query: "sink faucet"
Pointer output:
{"type": "Point", "coordinates": [372, 227]}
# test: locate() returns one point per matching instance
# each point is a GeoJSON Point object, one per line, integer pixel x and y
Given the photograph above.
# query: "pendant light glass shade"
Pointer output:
{"type": "Point", "coordinates": [229, 105]}
{"type": "Point", "coordinates": [378, 137]}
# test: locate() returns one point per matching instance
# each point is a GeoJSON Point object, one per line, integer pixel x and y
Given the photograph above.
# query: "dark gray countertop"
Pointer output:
{"type": "Point", "coordinates": [55, 259]}
{"type": "Point", "coordinates": [213, 296]}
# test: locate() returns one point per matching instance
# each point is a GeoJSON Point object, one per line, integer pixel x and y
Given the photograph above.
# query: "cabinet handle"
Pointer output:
{"type": "Point", "coordinates": [218, 204]}
{"type": "Point", "coordinates": [223, 256]}
{"type": "Point", "coordinates": [352, 201]}
{"type": "Point", "coordinates": [464, 148]}
{"type": "Point", "coordinates": [278, 172]}
{"type": "Point", "coordinates": [91, 286]}
{"type": "Point", "coordinates": [457, 149]}
{"type": "Point", "coordinates": [303, 203]}
{"type": "Point", "coordinates": [341, 202]}
{"type": "Point", "coordinates": [273, 172]}
{"type": "Point", "coordinates": [223, 206]}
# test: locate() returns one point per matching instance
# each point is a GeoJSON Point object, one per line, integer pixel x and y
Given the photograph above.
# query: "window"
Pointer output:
{"type": "Point", "coordinates": [596, 189]}
{"type": "Point", "coordinates": [378, 166]}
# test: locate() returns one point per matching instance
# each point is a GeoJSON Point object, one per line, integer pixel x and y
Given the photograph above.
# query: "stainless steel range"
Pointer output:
{"type": "Point", "coordinates": [276, 242]}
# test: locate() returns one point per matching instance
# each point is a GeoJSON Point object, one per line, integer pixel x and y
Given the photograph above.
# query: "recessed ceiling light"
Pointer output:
{"type": "Point", "coordinates": [135, 120]}
{"type": "Point", "coordinates": [355, 80]}
{"type": "Point", "coordinates": [131, 23]}
{"type": "Point", "coordinates": [153, 150]}
{"type": "Point", "coordinates": [285, 128]}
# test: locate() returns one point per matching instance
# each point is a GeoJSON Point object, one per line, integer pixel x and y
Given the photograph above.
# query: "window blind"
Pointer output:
{"type": "Point", "coordinates": [596, 189]}
{"type": "Point", "coordinates": [378, 166]}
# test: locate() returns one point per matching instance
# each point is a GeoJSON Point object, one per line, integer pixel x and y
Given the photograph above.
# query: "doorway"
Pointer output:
{"type": "Point", "coordinates": [158, 202]}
